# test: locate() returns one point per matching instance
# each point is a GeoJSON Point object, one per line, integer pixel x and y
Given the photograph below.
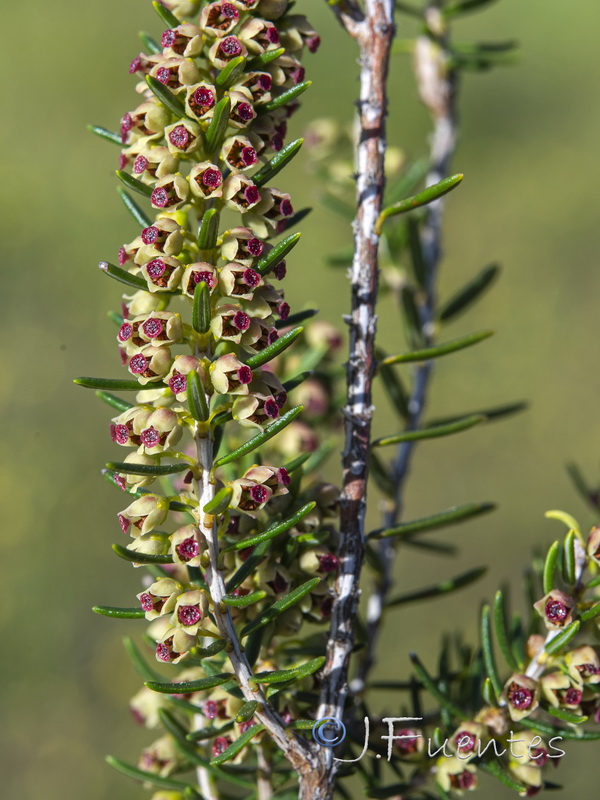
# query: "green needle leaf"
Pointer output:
{"type": "Point", "coordinates": [416, 201]}
{"type": "Point", "coordinates": [256, 441]}
{"type": "Point", "coordinates": [277, 254]}
{"type": "Point", "coordinates": [218, 126]}
{"type": "Point", "coordinates": [450, 516]}
{"type": "Point", "coordinates": [464, 6]}
{"type": "Point", "coordinates": [146, 777]}
{"type": "Point", "coordinates": [209, 732]}
{"type": "Point", "coordinates": [231, 72]}
{"type": "Point", "coordinates": [166, 96]}
{"type": "Point", "coordinates": [140, 558]}
{"type": "Point", "coordinates": [201, 310]}
{"type": "Point", "coordinates": [433, 689]}
{"type": "Point", "coordinates": [245, 600]}
{"type": "Point", "coordinates": [151, 45]}
{"type": "Point", "coordinates": [278, 346]}
{"type": "Point", "coordinates": [273, 531]}
{"type": "Point", "coordinates": [590, 613]}
{"type": "Point", "coordinates": [433, 432]}
{"type": "Point", "coordinates": [134, 281]}
{"type": "Point", "coordinates": [411, 318]}
{"type": "Point", "coordinates": [109, 383]}
{"type": "Point", "coordinates": [209, 229]}
{"type": "Point", "coordinates": [280, 606]}
{"type": "Point", "coordinates": [470, 293]}
{"type": "Point", "coordinates": [550, 566]}
{"type": "Point", "coordinates": [247, 567]}
{"type": "Point", "coordinates": [286, 97]}
{"type": "Point", "coordinates": [393, 387]}
{"type": "Point", "coordinates": [445, 587]}
{"type": "Point", "coordinates": [119, 613]}
{"type": "Point", "coordinates": [196, 397]}
{"type": "Point", "coordinates": [246, 712]}
{"type": "Point", "coordinates": [133, 208]}
{"type": "Point", "coordinates": [488, 693]}
{"type": "Point", "coordinates": [296, 319]}
{"type": "Point", "coordinates": [146, 469]}
{"type": "Point", "coordinates": [239, 744]}
{"type": "Point", "coordinates": [138, 660]}
{"type": "Point", "coordinates": [114, 401]}
{"type": "Point", "coordinates": [487, 647]}
{"type": "Point", "coordinates": [211, 650]}
{"type": "Point", "coordinates": [563, 638]}
{"type": "Point", "coordinates": [266, 58]}
{"type": "Point", "coordinates": [440, 349]}
{"type": "Point", "coordinates": [220, 501]}
{"type": "Point", "coordinates": [566, 716]}
{"type": "Point", "coordinates": [491, 414]}
{"type": "Point", "coordinates": [133, 183]}
{"type": "Point", "coordinates": [568, 561]}
{"type": "Point", "coordinates": [497, 770]}
{"type": "Point", "coordinates": [277, 163]}
{"type": "Point", "coordinates": [565, 518]}
{"type": "Point", "coordinates": [501, 629]}
{"type": "Point", "coordinates": [565, 733]}
{"type": "Point", "coordinates": [166, 15]}
{"type": "Point", "coordinates": [189, 687]}
{"type": "Point", "coordinates": [294, 673]}
{"type": "Point", "coordinates": [104, 133]}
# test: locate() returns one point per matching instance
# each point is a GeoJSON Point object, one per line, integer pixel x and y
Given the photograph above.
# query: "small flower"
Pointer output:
{"type": "Point", "coordinates": [242, 111]}
{"type": "Point", "coordinates": [454, 774]}
{"type": "Point", "coordinates": [145, 705]}
{"type": "Point", "coordinates": [153, 163]}
{"type": "Point", "coordinates": [161, 327]}
{"type": "Point", "coordinates": [170, 192]}
{"type": "Point", "coordinates": [135, 482]}
{"type": "Point", "coordinates": [176, 73]}
{"type": "Point", "coordinates": [249, 496]}
{"type": "Point", "coordinates": [145, 514]}
{"type": "Point", "coordinates": [412, 742]}
{"type": "Point", "coordinates": [229, 375]}
{"type": "Point", "coordinates": [256, 86]}
{"type": "Point", "coordinates": [184, 40]}
{"type": "Point", "coordinates": [583, 664]}
{"type": "Point", "coordinates": [206, 180]}
{"type": "Point", "coordinates": [126, 428]}
{"type": "Point", "coordinates": [161, 432]}
{"type": "Point", "coordinates": [190, 609]}
{"type": "Point", "coordinates": [466, 740]}
{"type": "Point", "coordinates": [176, 378]}
{"type": "Point", "coordinates": [163, 236]}
{"type": "Point", "coordinates": [242, 246]}
{"type": "Point", "coordinates": [219, 19]}
{"type": "Point", "coordinates": [556, 609]}
{"type": "Point", "coordinates": [259, 36]}
{"type": "Point", "coordinates": [230, 322]}
{"type": "Point", "coordinates": [297, 32]}
{"type": "Point", "coordinates": [240, 193]}
{"type": "Point", "coordinates": [522, 697]}
{"type": "Point", "coordinates": [148, 120]}
{"type": "Point", "coordinates": [226, 49]}
{"type": "Point", "coordinates": [159, 598]}
{"type": "Point", "coordinates": [255, 410]}
{"type": "Point", "coordinates": [318, 561]}
{"type": "Point", "coordinates": [143, 303]}
{"type": "Point", "coordinates": [593, 544]}
{"type": "Point", "coordinates": [174, 646]}
{"type": "Point", "coordinates": [200, 100]}
{"type": "Point", "coordinates": [161, 758]}
{"type": "Point", "coordinates": [220, 744]}
{"type": "Point", "coordinates": [198, 272]}
{"type": "Point", "coordinates": [240, 152]}
{"type": "Point", "coordinates": [162, 273]}
{"type": "Point", "coordinates": [239, 281]}
{"type": "Point", "coordinates": [152, 365]}
{"type": "Point", "coordinates": [560, 691]}
{"type": "Point", "coordinates": [183, 137]}
{"type": "Point", "coordinates": [186, 547]}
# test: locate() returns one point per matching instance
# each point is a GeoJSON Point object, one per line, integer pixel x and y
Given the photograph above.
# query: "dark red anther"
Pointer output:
{"type": "Point", "coordinates": [156, 268]}
{"type": "Point", "coordinates": [153, 327]}
{"type": "Point", "coordinates": [212, 178]}
{"type": "Point", "coordinates": [230, 47]}
{"type": "Point", "coordinates": [180, 137]}
{"type": "Point", "coordinates": [125, 332]}
{"type": "Point", "coordinates": [244, 375]}
{"type": "Point", "coordinates": [241, 321]}
{"type": "Point", "coordinates": [140, 164]}
{"type": "Point", "coordinates": [150, 235]}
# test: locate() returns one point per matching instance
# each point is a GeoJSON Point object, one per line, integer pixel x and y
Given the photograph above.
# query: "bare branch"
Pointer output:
{"type": "Point", "coordinates": [374, 35]}
{"type": "Point", "coordinates": [349, 14]}
{"type": "Point", "coordinates": [437, 87]}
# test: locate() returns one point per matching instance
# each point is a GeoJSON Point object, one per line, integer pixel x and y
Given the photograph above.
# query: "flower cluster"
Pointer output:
{"type": "Point", "coordinates": [556, 679]}
{"type": "Point", "coordinates": [203, 334]}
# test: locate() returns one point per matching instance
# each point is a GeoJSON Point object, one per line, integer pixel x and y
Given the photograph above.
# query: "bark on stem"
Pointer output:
{"type": "Point", "coordinates": [296, 751]}
{"type": "Point", "coordinates": [373, 31]}
{"type": "Point", "coordinates": [437, 88]}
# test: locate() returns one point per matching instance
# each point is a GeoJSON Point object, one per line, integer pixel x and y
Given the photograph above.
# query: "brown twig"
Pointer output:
{"type": "Point", "coordinates": [437, 87]}
{"type": "Point", "coordinates": [373, 31]}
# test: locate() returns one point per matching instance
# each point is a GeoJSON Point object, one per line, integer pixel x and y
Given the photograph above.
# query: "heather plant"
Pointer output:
{"type": "Point", "coordinates": [260, 675]}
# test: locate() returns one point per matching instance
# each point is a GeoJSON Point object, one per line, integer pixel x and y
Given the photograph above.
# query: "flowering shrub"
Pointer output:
{"type": "Point", "coordinates": [250, 562]}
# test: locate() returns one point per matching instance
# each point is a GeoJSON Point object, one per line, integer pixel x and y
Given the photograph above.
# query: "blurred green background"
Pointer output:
{"type": "Point", "coordinates": [529, 151]}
